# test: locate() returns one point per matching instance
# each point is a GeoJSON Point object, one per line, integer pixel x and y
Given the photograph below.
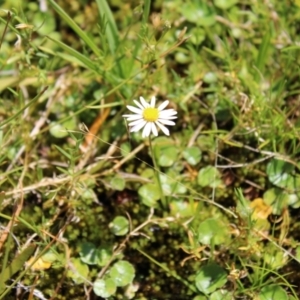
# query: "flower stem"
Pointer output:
{"type": "Point", "coordinates": [157, 172]}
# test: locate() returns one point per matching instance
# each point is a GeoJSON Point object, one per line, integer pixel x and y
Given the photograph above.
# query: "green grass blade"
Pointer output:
{"type": "Point", "coordinates": [111, 30]}
{"type": "Point", "coordinates": [146, 12]}
{"type": "Point", "coordinates": [16, 265]}
{"type": "Point", "coordinates": [83, 59]}
{"type": "Point", "coordinates": [138, 44]}
{"type": "Point", "coordinates": [262, 56]}
{"type": "Point", "coordinates": [75, 27]}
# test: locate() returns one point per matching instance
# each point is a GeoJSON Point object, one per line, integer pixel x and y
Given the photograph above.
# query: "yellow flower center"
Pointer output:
{"type": "Point", "coordinates": [150, 114]}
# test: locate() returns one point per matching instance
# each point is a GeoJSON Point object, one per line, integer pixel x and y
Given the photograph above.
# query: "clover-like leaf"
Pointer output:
{"type": "Point", "coordinates": [104, 287]}
{"type": "Point", "coordinates": [119, 226]}
{"type": "Point", "coordinates": [210, 277]}
{"type": "Point", "coordinates": [122, 273]}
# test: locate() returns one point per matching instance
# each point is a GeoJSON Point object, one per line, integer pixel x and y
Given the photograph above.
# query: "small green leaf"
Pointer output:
{"type": "Point", "coordinates": [125, 149]}
{"type": "Point", "coordinates": [210, 77]}
{"type": "Point", "coordinates": [294, 200]}
{"type": "Point", "coordinates": [61, 130]}
{"type": "Point", "coordinates": [122, 273]}
{"type": "Point", "coordinates": [212, 231]}
{"type": "Point", "coordinates": [271, 292]}
{"type": "Point", "coordinates": [224, 4]}
{"type": "Point", "coordinates": [210, 277]}
{"type": "Point", "coordinates": [118, 183]}
{"type": "Point", "coordinates": [119, 226]}
{"type": "Point", "coordinates": [104, 255]}
{"type": "Point", "coordinates": [198, 13]}
{"type": "Point", "coordinates": [150, 193]}
{"type": "Point", "coordinates": [277, 199]}
{"type": "Point", "coordinates": [197, 35]}
{"type": "Point", "coordinates": [170, 186]}
{"type": "Point", "coordinates": [88, 253]}
{"type": "Point", "coordinates": [274, 258]}
{"type": "Point", "coordinates": [221, 295]}
{"type": "Point", "coordinates": [279, 173]}
{"type": "Point", "coordinates": [104, 287]}
{"type": "Point", "coordinates": [78, 271]}
{"type": "Point", "coordinates": [192, 155]}
{"type": "Point", "coordinates": [209, 176]}
{"type": "Point", "coordinates": [166, 153]}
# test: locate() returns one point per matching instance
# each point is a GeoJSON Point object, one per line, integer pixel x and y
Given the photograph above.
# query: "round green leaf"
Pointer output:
{"type": "Point", "coordinates": [165, 151]}
{"type": "Point", "coordinates": [125, 149]}
{"type": "Point", "coordinates": [197, 35]}
{"type": "Point", "coordinates": [277, 199]}
{"type": "Point", "coordinates": [212, 231]}
{"type": "Point", "coordinates": [210, 77]}
{"type": "Point", "coordinates": [192, 155]}
{"type": "Point", "coordinates": [61, 130]}
{"type": "Point", "coordinates": [271, 292]}
{"type": "Point", "coordinates": [91, 255]}
{"type": "Point", "coordinates": [209, 176]}
{"type": "Point", "coordinates": [224, 4]}
{"type": "Point", "coordinates": [221, 295]}
{"type": "Point", "coordinates": [46, 20]}
{"type": "Point", "coordinates": [88, 253]}
{"type": "Point", "coordinates": [182, 58]}
{"type": "Point", "coordinates": [79, 271]}
{"type": "Point", "coordinates": [279, 173]}
{"type": "Point", "coordinates": [119, 226]}
{"type": "Point", "coordinates": [198, 13]}
{"type": "Point", "coordinates": [210, 277]}
{"type": "Point", "coordinates": [118, 183]}
{"type": "Point", "coordinates": [122, 273]}
{"type": "Point", "coordinates": [104, 255]}
{"type": "Point", "coordinates": [104, 287]}
{"type": "Point", "coordinates": [170, 186]}
{"type": "Point", "coordinates": [88, 194]}
{"type": "Point", "coordinates": [294, 200]}
{"type": "Point", "coordinates": [150, 193]}
{"type": "Point", "coordinates": [274, 258]}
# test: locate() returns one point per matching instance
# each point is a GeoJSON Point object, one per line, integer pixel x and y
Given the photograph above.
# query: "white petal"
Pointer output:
{"type": "Point", "coordinates": [166, 122]}
{"type": "Point", "coordinates": [144, 103]}
{"type": "Point", "coordinates": [138, 126]}
{"type": "Point", "coordinates": [147, 130]}
{"type": "Point", "coordinates": [154, 129]}
{"type": "Point", "coordinates": [153, 100]}
{"type": "Point", "coordinates": [168, 118]}
{"type": "Point", "coordinates": [164, 129]}
{"type": "Point", "coordinates": [168, 112]}
{"type": "Point", "coordinates": [135, 122]}
{"type": "Point", "coordinates": [135, 110]}
{"type": "Point", "coordinates": [163, 105]}
{"type": "Point", "coordinates": [137, 103]}
{"type": "Point", "coordinates": [132, 117]}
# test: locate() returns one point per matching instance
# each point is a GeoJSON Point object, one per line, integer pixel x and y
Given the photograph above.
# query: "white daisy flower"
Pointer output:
{"type": "Point", "coordinates": [147, 116]}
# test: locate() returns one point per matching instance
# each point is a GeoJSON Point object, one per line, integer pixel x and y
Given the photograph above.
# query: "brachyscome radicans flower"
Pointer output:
{"type": "Point", "coordinates": [147, 116]}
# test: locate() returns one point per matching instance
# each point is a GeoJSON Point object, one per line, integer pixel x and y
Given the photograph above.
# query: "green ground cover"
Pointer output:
{"type": "Point", "coordinates": [90, 209]}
